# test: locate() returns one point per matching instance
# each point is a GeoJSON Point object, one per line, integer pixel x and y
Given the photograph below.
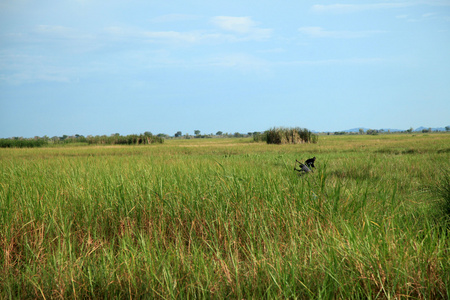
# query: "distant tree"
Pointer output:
{"type": "Point", "coordinates": [447, 128]}
{"type": "Point", "coordinates": [361, 131]}
{"type": "Point", "coordinates": [219, 133]}
{"type": "Point", "coordinates": [148, 133]}
{"type": "Point", "coordinates": [197, 132]}
{"type": "Point", "coordinates": [178, 134]}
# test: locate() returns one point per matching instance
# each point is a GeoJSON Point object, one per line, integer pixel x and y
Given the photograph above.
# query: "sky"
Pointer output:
{"type": "Point", "coordinates": [95, 67]}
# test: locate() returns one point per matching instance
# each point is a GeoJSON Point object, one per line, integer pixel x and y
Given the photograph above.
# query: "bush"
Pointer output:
{"type": "Point", "coordinates": [260, 137]}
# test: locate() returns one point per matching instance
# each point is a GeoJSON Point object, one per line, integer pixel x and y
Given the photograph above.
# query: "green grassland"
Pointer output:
{"type": "Point", "coordinates": [226, 218]}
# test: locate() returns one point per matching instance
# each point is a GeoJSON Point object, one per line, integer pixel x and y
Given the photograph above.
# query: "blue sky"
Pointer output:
{"type": "Point", "coordinates": [103, 67]}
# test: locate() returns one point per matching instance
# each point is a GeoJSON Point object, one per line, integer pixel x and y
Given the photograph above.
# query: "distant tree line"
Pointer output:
{"type": "Point", "coordinates": [278, 135]}
{"type": "Point", "coordinates": [218, 134]}
{"type": "Point", "coordinates": [382, 131]}
{"type": "Point", "coordinates": [22, 143]}
{"type": "Point", "coordinates": [132, 139]}
{"type": "Point", "coordinates": [114, 139]}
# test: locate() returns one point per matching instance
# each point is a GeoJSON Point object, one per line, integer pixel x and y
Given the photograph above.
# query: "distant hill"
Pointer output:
{"type": "Point", "coordinates": [365, 129]}
{"type": "Point", "coordinates": [392, 130]}
{"type": "Point", "coordinates": [419, 129]}
{"type": "Point", "coordinates": [356, 129]}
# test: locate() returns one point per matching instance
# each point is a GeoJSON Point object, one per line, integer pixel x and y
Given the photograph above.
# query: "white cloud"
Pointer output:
{"type": "Point", "coordinates": [236, 24]}
{"type": "Point", "coordinates": [54, 29]}
{"type": "Point", "coordinates": [427, 15]}
{"type": "Point", "coordinates": [237, 29]}
{"type": "Point", "coordinates": [122, 34]}
{"type": "Point", "coordinates": [435, 2]}
{"type": "Point", "coordinates": [174, 18]}
{"type": "Point", "coordinates": [327, 62]}
{"type": "Point", "coordinates": [272, 50]}
{"type": "Point", "coordinates": [242, 26]}
{"type": "Point", "coordinates": [235, 60]}
{"type": "Point", "coordinates": [29, 73]}
{"type": "Point", "coordinates": [340, 8]}
{"type": "Point", "coordinates": [233, 29]}
{"type": "Point", "coordinates": [170, 37]}
{"type": "Point", "coordinates": [68, 38]}
{"type": "Point", "coordinates": [240, 62]}
{"type": "Point", "coordinates": [62, 32]}
{"type": "Point", "coordinates": [350, 8]}
{"type": "Point", "coordinates": [116, 31]}
{"type": "Point", "coordinates": [153, 36]}
{"type": "Point", "coordinates": [174, 36]}
{"type": "Point", "coordinates": [319, 32]}
{"type": "Point", "coordinates": [423, 17]}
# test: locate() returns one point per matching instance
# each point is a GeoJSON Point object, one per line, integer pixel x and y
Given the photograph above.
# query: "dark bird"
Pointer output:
{"type": "Point", "coordinates": [310, 162]}
{"type": "Point", "coordinates": [305, 167]}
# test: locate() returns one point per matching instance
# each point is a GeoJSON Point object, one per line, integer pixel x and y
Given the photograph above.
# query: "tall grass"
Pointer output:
{"type": "Point", "coordinates": [440, 192]}
{"type": "Point", "coordinates": [220, 220]}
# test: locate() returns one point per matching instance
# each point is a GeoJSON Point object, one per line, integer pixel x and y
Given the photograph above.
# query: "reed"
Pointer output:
{"type": "Point", "coordinates": [282, 135]}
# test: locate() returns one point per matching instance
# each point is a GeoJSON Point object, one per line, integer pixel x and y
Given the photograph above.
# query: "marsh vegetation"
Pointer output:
{"type": "Point", "coordinates": [224, 218]}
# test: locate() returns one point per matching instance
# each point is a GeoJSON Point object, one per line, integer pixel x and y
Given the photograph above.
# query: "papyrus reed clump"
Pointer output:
{"type": "Point", "coordinates": [282, 135]}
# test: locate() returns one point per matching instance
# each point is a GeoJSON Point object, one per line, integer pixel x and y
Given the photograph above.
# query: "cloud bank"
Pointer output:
{"type": "Point", "coordinates": [319, 32]}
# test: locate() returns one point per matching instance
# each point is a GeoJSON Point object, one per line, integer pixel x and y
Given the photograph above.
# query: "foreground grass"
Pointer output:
{"type": "Point", "coordinates": [225, 218]}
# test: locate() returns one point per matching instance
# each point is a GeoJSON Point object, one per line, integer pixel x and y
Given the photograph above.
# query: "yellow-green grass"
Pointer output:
{"type": "Point", "coordinates": [226, 218]}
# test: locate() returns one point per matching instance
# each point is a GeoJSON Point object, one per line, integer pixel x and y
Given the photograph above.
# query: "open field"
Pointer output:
{"type": "Point", "coordinates": [221, 218]}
